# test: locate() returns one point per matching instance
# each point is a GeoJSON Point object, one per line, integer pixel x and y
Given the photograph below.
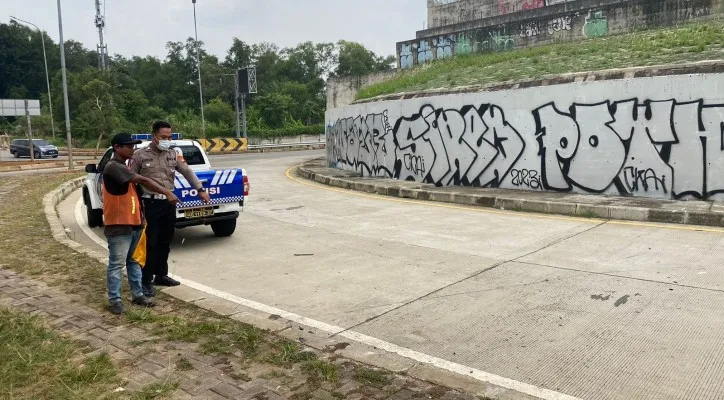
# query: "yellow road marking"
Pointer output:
{"type": "Point", "coordinates": [316, 185]}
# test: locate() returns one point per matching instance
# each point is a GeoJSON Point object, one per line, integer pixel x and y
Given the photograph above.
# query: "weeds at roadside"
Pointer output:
{"type": "Point", "coordinates": [156, 390]}
{"type": "Point", "coordinates": [373, 377]}
{"type": "Point", "coordinates": [36, 363]}
{"type": "Point", "coordinates": [321, 369]}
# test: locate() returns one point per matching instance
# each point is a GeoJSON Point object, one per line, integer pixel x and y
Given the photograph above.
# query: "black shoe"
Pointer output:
{"type": "Point", "coordinates": [165, 281]}
{"type": "Point", "coordinates": [117, 308]}
{"type": "Point", "coordinates": [148, 290]}
{"type": "Point", "coordinates": [143, 301]}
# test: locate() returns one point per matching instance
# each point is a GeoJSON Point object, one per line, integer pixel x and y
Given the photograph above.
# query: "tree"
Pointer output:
{"type": "Point", "coordinates": [356, 60]}
{"type": "Point", "coordinates": [220, 112]}
{"type": "Point", "coordinates": [135, 91]}
{"type": "Point", "coordinates": [97, 113]}
{"type": "Point", "coordinates": [239, 55]}
{"type": "Point", "coordinates": [274, 108]}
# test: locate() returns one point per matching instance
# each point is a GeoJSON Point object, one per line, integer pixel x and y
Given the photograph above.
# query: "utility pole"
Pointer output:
{"type": "Point", "coordinates": [65, 90]}
{"type": "Point", "coordinates": [236, 102]}
{"type": "Point", "coordinates": [236, 99]}
{"type": "Point", "coordinates": [243, 111]}
{"type": "Point", "coordinates": [198, 67]}
{"type": "Point", "coordinates": [100, 22]}
{"type": "Point", "coordinates": [31, 146]}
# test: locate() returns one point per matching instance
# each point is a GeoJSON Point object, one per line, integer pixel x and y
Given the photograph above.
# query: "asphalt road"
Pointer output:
{"type": "Point", "coordinates": [585, 308]}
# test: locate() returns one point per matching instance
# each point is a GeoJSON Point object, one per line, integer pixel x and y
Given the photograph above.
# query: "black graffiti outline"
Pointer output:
{"type": "Point", "coordinates": [498, 146]}
{"type": "Point", "coordinates": [412, 146]}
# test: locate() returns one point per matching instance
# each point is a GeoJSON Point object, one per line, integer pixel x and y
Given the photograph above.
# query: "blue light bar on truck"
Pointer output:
{"type": "Point", "coordinates": [149, 136]}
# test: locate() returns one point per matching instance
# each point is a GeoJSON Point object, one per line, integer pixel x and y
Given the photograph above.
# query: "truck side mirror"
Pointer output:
{"type": "Point", "coordinates": [91, 168]}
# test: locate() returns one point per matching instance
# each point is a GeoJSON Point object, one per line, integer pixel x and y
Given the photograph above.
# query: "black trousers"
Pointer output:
{"type": "Point", "coordinates": [160, 222]}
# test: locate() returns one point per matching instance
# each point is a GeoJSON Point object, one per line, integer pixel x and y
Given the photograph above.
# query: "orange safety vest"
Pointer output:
{"type": "Point", "coordinates": [121, 210]}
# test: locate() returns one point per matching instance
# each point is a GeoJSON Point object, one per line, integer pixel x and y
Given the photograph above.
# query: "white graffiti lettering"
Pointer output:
{"type": "Point", "coordinates": [654, 148]}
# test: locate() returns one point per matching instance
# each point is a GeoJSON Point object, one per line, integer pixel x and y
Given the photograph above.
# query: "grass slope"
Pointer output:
{"type": "Point", "coordinates": [685, 43]}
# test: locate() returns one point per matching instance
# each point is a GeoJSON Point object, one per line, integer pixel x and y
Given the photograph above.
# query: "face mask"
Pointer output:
{"type": "Point", "coordinates": [164, 144]}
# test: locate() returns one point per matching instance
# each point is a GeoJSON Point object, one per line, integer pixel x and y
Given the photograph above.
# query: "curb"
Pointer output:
{"type": "Point", "coordinates": [306, 335]}
{"type": "Point", "coordinates": [41, 165]}
{"type": "Point", "coordinates": [669, 211]}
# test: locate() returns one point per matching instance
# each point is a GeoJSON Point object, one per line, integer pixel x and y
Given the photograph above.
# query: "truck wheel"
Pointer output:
{"type": "Point", "coordinates": [95, 217]}
{"type": "Point", "coordinates": [224, 228]}
{"type": "Point", "coordinates": [16, 154]}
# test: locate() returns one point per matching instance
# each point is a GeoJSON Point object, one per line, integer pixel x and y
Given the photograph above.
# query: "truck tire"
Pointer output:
{"type": "Point", "coordinates": [224, 228]}
{"type": "Point", "coordinates": [95, 217]}
{"type": "Point", "coordinates": [16, 154]}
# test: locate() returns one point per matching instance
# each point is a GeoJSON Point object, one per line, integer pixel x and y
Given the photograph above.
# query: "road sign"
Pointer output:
{"type": "Point", "coordinates": [16, 108]}
{"type": "Point", "coordinates": [221, 145]}
{"type": "Point", "coordinates": [247, 80]}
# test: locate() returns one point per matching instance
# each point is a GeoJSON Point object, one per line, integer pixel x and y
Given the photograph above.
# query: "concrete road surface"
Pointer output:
{"type": "Point", "coordinates": [590, 309]}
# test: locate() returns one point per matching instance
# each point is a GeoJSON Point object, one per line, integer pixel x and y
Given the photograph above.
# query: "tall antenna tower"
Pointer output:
{"type": "Point", "coordinates": [102, 48]}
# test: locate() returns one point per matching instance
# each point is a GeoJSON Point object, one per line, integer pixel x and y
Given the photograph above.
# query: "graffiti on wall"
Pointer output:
{"type": "Point", "coordinates": [406, 56]}
{"type": "Point", "coordinates": [499, 38]}
{"type": "Point", "coordinates": [653, 148]}
{"type": "Point", "coordinates": [535, 28]}
{"type": "Point", "coordinates": [595, 24]}
{"type": "Point", "coordinates": [444, 46]}
{"type": "Point", "coordinates": [511, 6]}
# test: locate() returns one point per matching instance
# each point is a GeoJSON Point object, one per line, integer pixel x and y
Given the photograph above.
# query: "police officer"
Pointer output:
{"type": "Point", "coordinates": [159, 163]}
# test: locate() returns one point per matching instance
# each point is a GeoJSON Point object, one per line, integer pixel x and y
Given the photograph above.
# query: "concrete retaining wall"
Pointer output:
{"type": "Point", "coordinates": [556, 22]}
{"type": "Point", "coordinates": [658, 136]}
{"type": "Point", "coordinates": [343, 91]}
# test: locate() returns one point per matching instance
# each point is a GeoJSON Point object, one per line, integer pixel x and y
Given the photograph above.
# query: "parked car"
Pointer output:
{"type": "Point", "coordinates": [42, 149]}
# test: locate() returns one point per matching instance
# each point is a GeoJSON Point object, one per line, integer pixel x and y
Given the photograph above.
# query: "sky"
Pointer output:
{"type": "Point", "coordinates": [142, 27]}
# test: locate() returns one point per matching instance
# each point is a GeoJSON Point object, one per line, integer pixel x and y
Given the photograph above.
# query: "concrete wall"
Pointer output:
{"type": "Point", "coordinates": [562, 21]}
{"type": "Point", "coordinates": [342, 91]}
{"type": "Point", "coordinates": [442, 13]}
{"type": "Point", "coordinates": [659, 136]}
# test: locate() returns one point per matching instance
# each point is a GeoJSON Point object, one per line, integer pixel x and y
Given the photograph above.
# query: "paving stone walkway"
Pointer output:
{"type": "Point", "coordinates": [147, 360]}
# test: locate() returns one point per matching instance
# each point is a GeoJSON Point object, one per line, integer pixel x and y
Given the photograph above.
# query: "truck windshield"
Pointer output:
{"type": "Point", "coordinates": [40, 142]}
{"type": "Point", "coordinates": [191, 154]}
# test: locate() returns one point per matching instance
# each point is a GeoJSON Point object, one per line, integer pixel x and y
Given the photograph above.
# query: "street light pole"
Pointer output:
{"type": "Point", "coordinates": [47, 77]}
{"type": "Point", "coordinates": [65, 90]}
{"type": "Point", "coordinates": [198, 67]}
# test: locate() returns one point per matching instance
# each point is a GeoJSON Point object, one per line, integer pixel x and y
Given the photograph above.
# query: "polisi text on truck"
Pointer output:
{"type": "Point", "coordinates": [193, 192]}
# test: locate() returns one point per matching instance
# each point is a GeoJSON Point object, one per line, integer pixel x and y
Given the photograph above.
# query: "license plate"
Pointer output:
{"type": "Point", "coordinates": [199, 212]}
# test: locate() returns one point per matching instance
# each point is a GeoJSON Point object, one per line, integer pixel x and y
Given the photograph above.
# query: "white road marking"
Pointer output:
{"type": "Point", "coordinates": [483, 376]}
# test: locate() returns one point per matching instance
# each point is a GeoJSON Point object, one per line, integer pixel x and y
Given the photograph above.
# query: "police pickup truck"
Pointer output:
{"type": "Point", "coordinates": [226, 187]}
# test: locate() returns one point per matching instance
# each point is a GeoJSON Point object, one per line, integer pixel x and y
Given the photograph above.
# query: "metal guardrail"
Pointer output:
{"type": "Point", "coordinates": [283, 145]}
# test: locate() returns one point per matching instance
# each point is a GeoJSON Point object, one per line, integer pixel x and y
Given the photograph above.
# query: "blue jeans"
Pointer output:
{"type": "Point", "coordinates": [120, 250]}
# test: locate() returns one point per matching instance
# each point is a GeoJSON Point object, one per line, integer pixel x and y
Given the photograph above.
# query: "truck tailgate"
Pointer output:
{"type": "Point", "coordinates": [223, 186]}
